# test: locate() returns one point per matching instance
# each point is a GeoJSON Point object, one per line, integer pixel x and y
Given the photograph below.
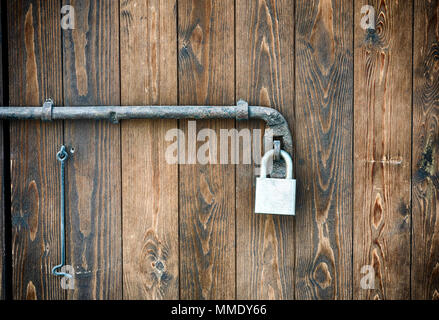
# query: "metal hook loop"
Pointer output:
{"type": "Point", "coordinates": [62, 154]}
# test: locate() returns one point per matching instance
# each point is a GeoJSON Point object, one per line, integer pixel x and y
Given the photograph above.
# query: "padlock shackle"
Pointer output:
{"type": "Point", "coordinates": [288, 162]}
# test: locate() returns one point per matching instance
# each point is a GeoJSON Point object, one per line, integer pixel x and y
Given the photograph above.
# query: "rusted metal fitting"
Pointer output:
{"type": "Point", "coordinates": [46, 112]}
{"type": "Point", "coordinates": [242, 110]}
{"type": "Point", "coordinates": [277, 150]}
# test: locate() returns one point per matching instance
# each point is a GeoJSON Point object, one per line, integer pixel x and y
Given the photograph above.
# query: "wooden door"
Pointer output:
{"type": "Point", "coordinates": [362, 105]}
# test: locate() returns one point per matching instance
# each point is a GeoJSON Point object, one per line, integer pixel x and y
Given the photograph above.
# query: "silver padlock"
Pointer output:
{"type": "Point", "coordinates": [276, 196]}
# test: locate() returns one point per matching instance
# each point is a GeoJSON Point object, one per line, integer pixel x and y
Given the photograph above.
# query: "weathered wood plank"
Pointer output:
{"type": "Point", "coordinates": [207, 192]}
{"type": "Point", "coordinates": [382, 159]}
{"type": "Point", "coordinates": [265, 76]}
{"type": "Point", "coordinates": [35, 66]}
{"type": "Point", "coordinates": [2, 186]}
{"type": "Point", "coordinates": [149, 184]}
{"type": "Point", "coordinates": [92, 76]}
{"type": "Point", "coordinates": [425, 172]}
{"type": "Point", "coordinates": [323, 130]}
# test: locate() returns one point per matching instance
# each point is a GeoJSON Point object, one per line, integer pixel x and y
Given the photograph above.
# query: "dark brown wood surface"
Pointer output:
{"type": "Point", "coordinates": [382, 146]}
{"type": "Point", "coordinates": [425, 166]}
{"type": "Point", "coordinates": [149, 184]}
{"type": "Point", "coordinates": [92, 77]}
{"type": "Point", "coordinates": [323, 132]}
{"type": "Point", "coordinates": [264, 76]}
{"type": "Point", "coordinates": [206, 55]}
{"type": "Point", "coordinates": [362, 106]}
{"type": "Point", "coordinates": [35, 69]}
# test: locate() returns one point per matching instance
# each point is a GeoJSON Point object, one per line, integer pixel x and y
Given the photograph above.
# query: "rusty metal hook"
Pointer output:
{"type": "Point", "coordinates": [62, 157]}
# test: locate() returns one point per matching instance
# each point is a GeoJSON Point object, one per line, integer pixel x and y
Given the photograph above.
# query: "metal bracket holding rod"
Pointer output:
{"type": "Point", "coordinates": [242, 111]}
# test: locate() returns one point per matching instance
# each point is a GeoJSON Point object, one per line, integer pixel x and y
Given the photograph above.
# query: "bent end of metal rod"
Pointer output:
{"type": "Point", "coordinates": [62, 274]}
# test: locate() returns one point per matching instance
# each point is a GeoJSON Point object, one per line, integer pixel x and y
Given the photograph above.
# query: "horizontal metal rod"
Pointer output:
{"type": "Point", "coordinates": [117, 113]}
{"type": "Point", "coordinates": [241, 111]}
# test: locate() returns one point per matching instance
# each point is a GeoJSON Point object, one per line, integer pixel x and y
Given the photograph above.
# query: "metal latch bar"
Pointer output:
{"type": "Point", "coordinates": [242, 111]}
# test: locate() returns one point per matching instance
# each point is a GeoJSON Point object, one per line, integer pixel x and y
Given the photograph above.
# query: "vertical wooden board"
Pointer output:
{"type": "Point", "coordinates": [425, 172]}
{"type": "Point", "coordinates": [207, 192]}
{"type": "Point", "coordinates": [382, 152]}
{"type": "Point", "coordinates": [265, 76]}
{"type": "Point", "coordinates": [35, 74]}
{"type": "Point", "coordinates": [324, 78]}
{"type": "Point", "coordinates": [149, 183]}
{"type": "Point", "coordinates": [92, 76]}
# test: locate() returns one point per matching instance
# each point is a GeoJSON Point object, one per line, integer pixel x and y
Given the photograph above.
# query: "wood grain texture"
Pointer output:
{"type": "Point", "coordinates": [265, 76]}
{"type": "Point", "coordinates": [35, 74]}
{"type": "Point", "coordinates": [207, 192]}
{"type": "Point", "coordinates": [175, 227]}
{"type": "Point", "coordinates": [425, 170]}
{"type": "Point", "coordinates": [2, 185]}
{"type": "Point", "coordinates": [92, 76]}
{"type": "Point", "coordinates": [382, 159]}
{"type": "Point", "coordinates": [149, 184]}
{"type": "Point", "coordinates": [324, 62]}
